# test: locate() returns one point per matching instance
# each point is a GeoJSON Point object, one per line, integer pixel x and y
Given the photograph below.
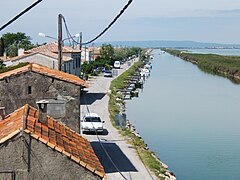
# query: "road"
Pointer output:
{"type": "Point", "coordinates": [124, 162]}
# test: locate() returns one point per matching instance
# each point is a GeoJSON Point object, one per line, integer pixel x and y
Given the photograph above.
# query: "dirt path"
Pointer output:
{"type": "Point", "coordinates": [123, 155]}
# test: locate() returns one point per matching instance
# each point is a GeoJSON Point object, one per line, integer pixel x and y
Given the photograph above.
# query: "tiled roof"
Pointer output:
{"type": "Point", "coordinates": [45, 71]}
{"type": "Point", "coordinates": [53, 47]}
{"type": "Point", "coordinates": [53, 134]}
{"type": "Point", "coordinates": [45, 53]}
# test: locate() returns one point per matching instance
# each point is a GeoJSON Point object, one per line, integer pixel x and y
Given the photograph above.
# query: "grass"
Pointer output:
{"type": "Point", "coordinates": [145, 155]}
{"type": "Point", "coordinates": [9, 68]}
{"type": "Point", "coordinates": [228, 66]}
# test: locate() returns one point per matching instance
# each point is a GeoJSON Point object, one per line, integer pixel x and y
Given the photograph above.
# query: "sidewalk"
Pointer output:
{"type": "Point", "coordinates": [123, 155]}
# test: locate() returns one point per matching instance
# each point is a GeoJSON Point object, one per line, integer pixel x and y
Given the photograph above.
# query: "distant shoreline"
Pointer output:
{"type": "Point", "coordinates": [226, 66]}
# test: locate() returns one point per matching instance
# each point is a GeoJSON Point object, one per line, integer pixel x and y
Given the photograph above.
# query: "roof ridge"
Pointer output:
{"type": "Point", "coordinates": [38, 68]}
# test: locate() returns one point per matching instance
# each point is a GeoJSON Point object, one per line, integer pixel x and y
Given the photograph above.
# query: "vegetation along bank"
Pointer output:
{"type": "Point", "coordinates": [227, 66]}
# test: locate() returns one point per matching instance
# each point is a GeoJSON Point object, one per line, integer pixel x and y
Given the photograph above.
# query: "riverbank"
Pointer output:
{"type": "Point", "coordinates": [227, 66]}
{"type": "Point", "coordinates": [116, 104]}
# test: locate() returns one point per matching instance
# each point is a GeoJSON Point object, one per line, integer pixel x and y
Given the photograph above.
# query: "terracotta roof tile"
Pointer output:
{"type": "Point", "coordinates": [44, 53]}
{"type": "Point", "coordinates": [53, 47]}
{"type": "Point", "coordinates": [54, 134]}
{"type": "Point", "coordinates": [45, 71]}
{"type": "Point", "coordinates": [11, 123]}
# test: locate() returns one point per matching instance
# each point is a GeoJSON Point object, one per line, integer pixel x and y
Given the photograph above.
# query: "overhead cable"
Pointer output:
{"type": "Point", "coordinates": [20, 14]}
{"type": "Point", "coordinates": [108, 27]}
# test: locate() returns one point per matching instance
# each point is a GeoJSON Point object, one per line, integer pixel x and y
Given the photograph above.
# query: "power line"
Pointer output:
{"type": "Point", "coordinates": [20, 14]}
{"type": "Point", "coordinates": [108, 27]}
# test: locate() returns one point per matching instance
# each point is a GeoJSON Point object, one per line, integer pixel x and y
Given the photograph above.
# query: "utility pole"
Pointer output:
{"type": "Point", "coordinates": [80, 48]}
{"type": "Point", "coordinates": [80, 43]}
{"type": "Point", "coordinates": [85, 51]}
{"type": "Point", "coordinates": [60, 42]}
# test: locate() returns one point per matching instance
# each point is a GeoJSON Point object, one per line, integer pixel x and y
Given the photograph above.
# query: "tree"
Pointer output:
{"type": "Point", "coordinates": [2, 65]}
{"type": "Point", "coordinates": [107, 53]}
{"type": "Point", "coordinates": [14, 41]}
{"type": "Point", "coordinates": [1, 47]}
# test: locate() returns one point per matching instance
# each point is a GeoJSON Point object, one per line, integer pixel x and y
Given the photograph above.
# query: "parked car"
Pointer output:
{"type": "Point", "coordinates": [107, 73]}
{"type": "Point", "coordinates": [92, 123]}
{"type": "Point", "coordinates": [117, 64]}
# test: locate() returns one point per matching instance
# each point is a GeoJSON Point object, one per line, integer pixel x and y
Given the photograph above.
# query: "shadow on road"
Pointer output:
{"type": "Point", "coordinates": [118, 157]}
{"type": "Point", "coordinates": [90, 98]}
{"type": "Point", "coordinates": [104, 133]}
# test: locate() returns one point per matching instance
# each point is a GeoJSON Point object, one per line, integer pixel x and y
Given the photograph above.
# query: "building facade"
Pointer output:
{"type": "Point", "coordinates": [47, 55]}
{"type": "Point", "coordinates": [33, 82]}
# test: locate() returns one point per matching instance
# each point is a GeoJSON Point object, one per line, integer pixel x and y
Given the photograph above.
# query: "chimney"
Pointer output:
{"type": "Point", "coordinates": [42, 108]}
{"type": "Point", "coordinates": [2, 113]}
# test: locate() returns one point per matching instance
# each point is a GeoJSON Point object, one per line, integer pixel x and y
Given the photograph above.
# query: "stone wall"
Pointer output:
{"type": "Point", "coordinates": [26, 159]}
{"type": "Point", "coordinates": [30, 87]}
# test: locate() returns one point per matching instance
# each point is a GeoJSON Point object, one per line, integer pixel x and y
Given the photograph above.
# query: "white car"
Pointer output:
{"type": "Point", "coordinates": [107, 73]}
{"type": "Point", "coordinates": [117, 65]}
{"type": "Point", "coordinates": [92, 123]}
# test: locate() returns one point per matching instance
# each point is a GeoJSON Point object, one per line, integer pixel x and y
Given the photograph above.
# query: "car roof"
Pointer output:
{"type": "Point", "coordinates": [91, 115]}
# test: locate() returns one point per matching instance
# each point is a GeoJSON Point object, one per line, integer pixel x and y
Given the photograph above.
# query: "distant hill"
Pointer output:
{"type": "Point", "coordinates": [170, 44]}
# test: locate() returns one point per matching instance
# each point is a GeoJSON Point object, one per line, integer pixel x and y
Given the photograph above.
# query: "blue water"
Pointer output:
{"type": "Point", "coordinates": [190, 119]}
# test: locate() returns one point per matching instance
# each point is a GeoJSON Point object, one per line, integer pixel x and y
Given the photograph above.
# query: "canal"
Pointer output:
{"type": "Point", "coordinates": [190, 119]}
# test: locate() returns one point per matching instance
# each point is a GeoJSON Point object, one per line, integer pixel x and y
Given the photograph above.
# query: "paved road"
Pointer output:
{"type": "Point", "coordinates": [123, 155]}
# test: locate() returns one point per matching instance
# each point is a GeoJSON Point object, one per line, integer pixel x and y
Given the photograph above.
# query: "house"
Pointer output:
{"type": "Point", "coordinates": [47, 55]}
{"type": "Point", "coordinates": [35, 146]}
{"type": "Point", "coordinates": [33, 82]}
{"type": "Point", "coordinates": [95, 52]}
{"type": "Point", "coordinates": [86, 55]}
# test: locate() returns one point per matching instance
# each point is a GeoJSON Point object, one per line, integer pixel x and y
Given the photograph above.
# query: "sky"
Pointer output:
{"type": "Point", "coordinates": [195, 20]}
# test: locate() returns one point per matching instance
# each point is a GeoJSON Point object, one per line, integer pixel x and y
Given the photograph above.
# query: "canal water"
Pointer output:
{"type": "Point", "coordinates": [190, 119]}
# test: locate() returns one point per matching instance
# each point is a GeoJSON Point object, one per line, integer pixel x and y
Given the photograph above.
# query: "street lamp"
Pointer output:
{"type": "Point", "coordinates": [44, 35]}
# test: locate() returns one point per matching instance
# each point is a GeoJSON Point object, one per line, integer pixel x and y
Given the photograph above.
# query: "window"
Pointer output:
{"type": "Point", "coordinates": [92, 119]}
{"type": "Point", "coordinates": [65, 68]}
{"type": "Point", "coordinates": [29, 89]}
{"type": "Point", "coordinates": [74, 63]}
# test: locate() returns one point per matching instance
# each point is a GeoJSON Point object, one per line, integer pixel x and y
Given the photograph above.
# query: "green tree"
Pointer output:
{"type": "Point", "coordinates": [1, 47]}
{"type": "Point", "coordinates": [2, 65]}
{"type": "Point", "coordinates": [107, 53]}
{"type": "Point", "coordinates": [14, 41]}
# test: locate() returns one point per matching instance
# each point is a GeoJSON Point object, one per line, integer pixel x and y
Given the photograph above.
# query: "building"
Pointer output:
{"type": "Point", "coordinates": [86, 55]}
{"type": "Point", "coordinates": [35, 146]}
{"type": "Point", "coordinates": [34, 82]}
{"type": "Point", "coordinates": [47, 55]}
{"type": "Point", "coordinates": [95, 52]}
